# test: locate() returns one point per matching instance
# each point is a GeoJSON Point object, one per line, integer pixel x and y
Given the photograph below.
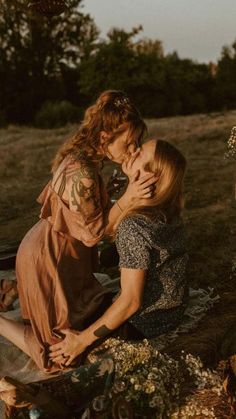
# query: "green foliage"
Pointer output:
{"type": "Point", "coordinates": [57, 114]}
{"type": "Point", "coordinates": [34, 52]}
{"type": "Point", "coordinates": [62, 59]}
{"type": "Point", "coordinates": [3, 121]}
{"type": "Point", "coordinates": [159, 85]}
{"type": "Point", "coordinates": [226, 78]}
{"type": "Point", "coordinates": [121, 63]}
{"type": "Point", "coordinates": [111, 66]}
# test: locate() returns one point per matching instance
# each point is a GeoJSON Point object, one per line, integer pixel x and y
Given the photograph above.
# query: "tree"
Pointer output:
{"type": "Point", "coordinates": [122, 63]}
{"type": "Point", "coordinates": [226, 78]}
{"type": "Point", "coordinates": [36, 55]}
{"type": "Point", "coordinates": [111, 65]}
{"type": "Point", "coordinates": [188, 86]}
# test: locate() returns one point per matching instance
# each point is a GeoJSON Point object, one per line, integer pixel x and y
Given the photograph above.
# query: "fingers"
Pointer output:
{"type": "Point", "coordinates": [147, 180]}
{"type": "Point", "coordinates": [148, 192]}
{"type": "Point", "coordinates": [55, 347]}
{"type": "Point", "coordinates": [68, 362]}
{"type": "Point", "coordinates": [59, 352]}
{"type": "Point", "coordinates": [135, 176]}
{"type": "Point", "coordinates": [147, 189]}
{"type": "Point", "coordinates": [61, 360]}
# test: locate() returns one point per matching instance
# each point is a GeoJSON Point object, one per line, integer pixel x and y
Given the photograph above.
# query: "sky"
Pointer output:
{"type": "Point", "coordinates": [196, 29]}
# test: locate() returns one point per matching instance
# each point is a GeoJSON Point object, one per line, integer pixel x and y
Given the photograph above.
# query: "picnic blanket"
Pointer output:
{"type": "Point", "coordinates": [14, 363]}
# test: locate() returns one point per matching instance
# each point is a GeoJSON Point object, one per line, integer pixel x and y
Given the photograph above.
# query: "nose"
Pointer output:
{"type": "Point", "coordinates": [131, 157]}
{"type": "Point", "coordinates": [128, 154]}
{"type": "Point", "coordinates": [132, 148]}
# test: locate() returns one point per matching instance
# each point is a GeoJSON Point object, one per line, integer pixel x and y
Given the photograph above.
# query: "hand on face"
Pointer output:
{"type": "Point", "coordinates": [142, 183]}
{"type": "Point", "coordinates": [141, 187]}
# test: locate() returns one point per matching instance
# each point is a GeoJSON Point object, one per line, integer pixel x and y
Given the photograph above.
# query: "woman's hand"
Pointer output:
{"type": "Point", "coordinates": [139, 187]}
{"type": "Point", "coordinates": [69, 348]}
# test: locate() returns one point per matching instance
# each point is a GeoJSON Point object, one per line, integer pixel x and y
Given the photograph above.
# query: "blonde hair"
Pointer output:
{"type": "Point", "coordinates": [114, 113]}
{"type": "Point", "coordinates": [169, 165]}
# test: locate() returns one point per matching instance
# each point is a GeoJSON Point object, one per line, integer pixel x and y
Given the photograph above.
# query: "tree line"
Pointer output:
{"type": "Point", "coordinates": [50, 70]}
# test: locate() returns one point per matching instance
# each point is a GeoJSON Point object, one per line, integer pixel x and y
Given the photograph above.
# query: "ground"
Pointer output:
{"type": "Point", "coordinates": [210, 214]}
{"type": "Point", "coordinates": [210, 205]}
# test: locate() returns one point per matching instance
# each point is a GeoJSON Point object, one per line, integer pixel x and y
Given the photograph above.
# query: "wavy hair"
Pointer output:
{"type": "Point", "coordinates": [114, 113]}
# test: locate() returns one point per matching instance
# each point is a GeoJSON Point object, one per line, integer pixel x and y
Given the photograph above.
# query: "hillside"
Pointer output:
{"type": "Point", "coordinates": [210, 213]}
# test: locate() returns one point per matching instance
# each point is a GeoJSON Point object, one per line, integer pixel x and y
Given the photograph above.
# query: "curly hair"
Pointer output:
{"type": "Point", "coordinates": [114, 113]}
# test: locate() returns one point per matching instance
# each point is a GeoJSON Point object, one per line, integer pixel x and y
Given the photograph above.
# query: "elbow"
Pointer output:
{"type": "Point", "coordinates": [134, 306]}
{"type": "Point", "coordinates": [129, 304]}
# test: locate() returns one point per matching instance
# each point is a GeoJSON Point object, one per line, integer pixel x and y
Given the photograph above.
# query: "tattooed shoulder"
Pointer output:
{"type": "Point", "coordinates": [84, 169]}
{"type": "Point", "coordinates": [85, 186]}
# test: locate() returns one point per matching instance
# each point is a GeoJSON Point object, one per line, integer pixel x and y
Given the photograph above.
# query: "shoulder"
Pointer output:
{"type": "Point", "coordinates": [131, 223]}
{"type": "Point", "coordinates": [132, 245]}
{"type": "Point", "coordinates": [133, 228]}
{"type": "Point", "coordinates": [140, 223]}
{"type": "Point", "coordinates": [81, 167]}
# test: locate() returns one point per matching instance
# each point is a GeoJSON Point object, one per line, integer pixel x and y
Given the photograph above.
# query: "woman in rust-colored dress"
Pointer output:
{"type": "Point", "coordinates": [57, 257]}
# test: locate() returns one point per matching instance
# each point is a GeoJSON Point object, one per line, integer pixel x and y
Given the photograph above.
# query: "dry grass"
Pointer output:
{"type": "Point", "coordinates": [210, 214]}
{"type": "Point", "coordinates": [210, 217]}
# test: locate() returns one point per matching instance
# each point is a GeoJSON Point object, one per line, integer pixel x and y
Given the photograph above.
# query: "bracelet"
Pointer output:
{"type": "Point", "coordinates": [121, 210]}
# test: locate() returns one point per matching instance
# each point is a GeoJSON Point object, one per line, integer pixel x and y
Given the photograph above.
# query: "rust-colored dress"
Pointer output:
{"type": "Point", "coordinates": [57, 258]}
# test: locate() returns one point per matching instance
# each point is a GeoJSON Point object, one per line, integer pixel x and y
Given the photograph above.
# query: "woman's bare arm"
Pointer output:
{"type": "Point", "coordinates": [84, 194]}
{"type": "Point", "coordinates": [129, 301]}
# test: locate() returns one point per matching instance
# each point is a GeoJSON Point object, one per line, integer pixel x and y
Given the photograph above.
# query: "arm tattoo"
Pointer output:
{"type": "Point", "coordinates": [102, 331]}
{"type": "Point", "coordinates": [86, 170]}
{"type": "Point", "coordinates": [89, 195]}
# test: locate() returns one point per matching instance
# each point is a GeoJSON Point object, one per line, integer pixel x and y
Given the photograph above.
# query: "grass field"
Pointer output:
{"type": "Point", "coordinates": [210, 213]}
{"type": "Point", "coordinates": [210, 218]}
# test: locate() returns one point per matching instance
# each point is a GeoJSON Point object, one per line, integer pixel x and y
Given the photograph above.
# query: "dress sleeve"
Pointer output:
{"type": "Point", "coordinates": [133, 248]}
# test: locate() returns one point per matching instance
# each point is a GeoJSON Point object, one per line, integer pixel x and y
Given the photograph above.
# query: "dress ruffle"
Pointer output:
{"type": "Point", "coordinates": [74, 224]}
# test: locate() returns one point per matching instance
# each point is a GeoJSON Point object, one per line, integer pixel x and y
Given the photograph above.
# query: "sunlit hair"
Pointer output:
{"type": "Point", "coordinates": [169, 166]}
{"type": "Point", "coordinates": [114, 113]}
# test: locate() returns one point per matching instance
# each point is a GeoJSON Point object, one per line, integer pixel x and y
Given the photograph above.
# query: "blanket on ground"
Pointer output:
{"type": "Point", "coordinates": [14, 363]}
